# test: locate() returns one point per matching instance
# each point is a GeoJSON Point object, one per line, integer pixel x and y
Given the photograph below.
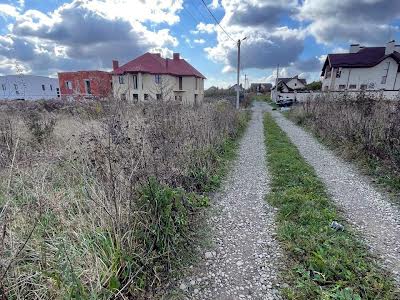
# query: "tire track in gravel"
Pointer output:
{"type": "Point", "coordinates": [367, 209]}
{"type": "Point", "coordinates": [244, 258]}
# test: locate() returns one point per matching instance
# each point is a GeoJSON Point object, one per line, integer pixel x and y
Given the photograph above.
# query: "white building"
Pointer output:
{"type": "Point", "coordinates": [363, 68]}
{"type": "Point", "coordinates": [151, 77]}
{"type": "Point", "coordinates": [28, 87]}
{"type": "Point", "coordinates": [287, 85]}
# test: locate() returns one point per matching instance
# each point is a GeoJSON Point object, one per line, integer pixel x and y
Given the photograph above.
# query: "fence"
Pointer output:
{"type": "Point", "coordinates": [310, 95]}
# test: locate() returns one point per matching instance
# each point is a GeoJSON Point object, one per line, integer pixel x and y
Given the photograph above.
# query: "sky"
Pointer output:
{"type": "Point", "coordinates": [43, 37]}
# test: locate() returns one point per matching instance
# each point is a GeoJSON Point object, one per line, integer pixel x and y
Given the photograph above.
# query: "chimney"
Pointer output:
{"type": "Point", "coordinates": [115, 64]}
{"type": "Point", "coordinates": [354, 48]}
{"type": "Point", "coordinates": [390, 46]}
{"type": "Point", "coordinates": [176, 56]}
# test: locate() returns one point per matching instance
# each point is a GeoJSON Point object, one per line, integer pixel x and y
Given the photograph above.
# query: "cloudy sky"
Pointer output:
{"type": "Point", "coordinates": [47, 36]}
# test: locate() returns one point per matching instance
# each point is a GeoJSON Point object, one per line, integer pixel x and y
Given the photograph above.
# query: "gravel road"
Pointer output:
{"type": "Point", "coordinates": [368, 210]}
{"type": "Point", "coordinates": [244, 258]}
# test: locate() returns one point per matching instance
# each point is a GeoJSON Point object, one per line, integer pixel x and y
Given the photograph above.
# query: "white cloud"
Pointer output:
{"type": "Point", "coordinates": [7, 10]}
{"type": "Point", "coordinates": [362, 21]}
{"type": "Point", "coordinates": [199, 41]}
{"type": "Point", "coordinates": [88, 34]}
{"type": "Point", "coordinates": [204, 28]}
{"type": "Point", "coordinates": [214, 4]}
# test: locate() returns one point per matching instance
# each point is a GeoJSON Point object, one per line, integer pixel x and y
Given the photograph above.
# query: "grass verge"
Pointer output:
{"type": "Point", "coordinates": [322, 263]}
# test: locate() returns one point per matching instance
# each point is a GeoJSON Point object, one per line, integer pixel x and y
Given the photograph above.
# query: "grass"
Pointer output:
{"type": "Point", "coordinates": [113, 211]}
{"type": "Point", "coordinates": [322, 263]}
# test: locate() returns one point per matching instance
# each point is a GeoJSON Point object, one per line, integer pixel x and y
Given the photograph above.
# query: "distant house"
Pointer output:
{"type": "Point", "coordinates": [260, 87]}
{"type": "Point", "coordinates": [28, 87]}
{"type": "Point", "coordinates": [85, 84]}
{"type": "Point", "coordinates": [287, 85]}
{"type": "Point", "coordinates": [234, 87]}
{"type": "Point", "coordinates": [151, 77]}
{"type": "Point", "coordinates": [363, 68]}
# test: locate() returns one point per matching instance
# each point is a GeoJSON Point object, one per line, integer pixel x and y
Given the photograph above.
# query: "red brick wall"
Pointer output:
{"type": "Point", "coordinates": [100, 83]}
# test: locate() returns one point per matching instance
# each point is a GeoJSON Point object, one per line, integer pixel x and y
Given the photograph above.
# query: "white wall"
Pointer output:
{"type": "Point", "coordinates": [368, 76]}
{"type": "Point", "coordinates": [303, 96]}
{"type": "Point", "coordinates": [169, 87]}
{"type": "Point", "coordinates": [295, 84]}
{"type": "Point", "coordinates": [28, 87]}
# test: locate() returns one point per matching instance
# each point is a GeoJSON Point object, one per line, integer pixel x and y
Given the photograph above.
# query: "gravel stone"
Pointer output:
{"type": "Point", "coordinates": [242, 229]}
{"type": "Point", "coordinates": [366, 208]}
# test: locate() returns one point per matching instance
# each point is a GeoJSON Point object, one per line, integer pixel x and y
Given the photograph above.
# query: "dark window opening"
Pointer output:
{"type": "Point", "coordinates": [121, 79]}
{"type": "Point", "coordinates": [146, 97]}
{"type": "Point", "coordinates": [135, 98]}
{"type": "Point", "coordinates": [352, 86]}
{"type": "Point", "coordinates": [123, 97]}
{"type": "Point", "coordinates": [43, 87]}
{"type": "Point", "coordinates": [135, 82]}
{"type": "Point", "coordinates": [88, 87]}
{"type": "Point", "coordinates": [158, 96]}
{"type": "Point", "coordinates": [180, 83]}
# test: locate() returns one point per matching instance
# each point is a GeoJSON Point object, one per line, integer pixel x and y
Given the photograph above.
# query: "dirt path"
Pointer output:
{"type": "Point", "coordinates": [363, 206]}
{"type": "Point", "coordinates": [243, 260]}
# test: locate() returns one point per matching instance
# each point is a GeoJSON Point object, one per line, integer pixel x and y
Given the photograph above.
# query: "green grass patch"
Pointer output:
{"type": "Point", "coordinates": [322, 263]}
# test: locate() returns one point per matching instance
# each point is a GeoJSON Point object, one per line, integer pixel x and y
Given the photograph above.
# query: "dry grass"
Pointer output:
{"type": "Point", "coordinates": [97, 201]}
{"type": "Point", "coordinates": [363, 127]}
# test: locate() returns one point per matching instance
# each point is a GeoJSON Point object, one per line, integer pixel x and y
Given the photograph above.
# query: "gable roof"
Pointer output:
{"type": "Point", "coordinates": [286, 80]}
{"type": "Point", "coordinates": [154, 64]}
{"type": "Point", "coordinates": [366, 57]}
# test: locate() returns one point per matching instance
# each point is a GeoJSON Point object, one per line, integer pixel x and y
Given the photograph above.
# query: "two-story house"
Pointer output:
{"type": "Point", "coordinates": [291, 84]}
{"type": "Point", "coordinates": [363, 68]}
{"type": "Point", "coordinates": [152, 77]}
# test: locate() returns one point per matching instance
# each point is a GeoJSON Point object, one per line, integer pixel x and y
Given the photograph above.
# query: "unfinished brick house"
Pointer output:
{"type": "Point", "coordinates": [85, 85]}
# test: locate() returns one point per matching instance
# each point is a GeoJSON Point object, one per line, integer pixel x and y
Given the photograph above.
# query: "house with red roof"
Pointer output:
{"type": "Point", "coordinates": [152, 77]}
{"type": "Point", "coordinates": [363, 68]}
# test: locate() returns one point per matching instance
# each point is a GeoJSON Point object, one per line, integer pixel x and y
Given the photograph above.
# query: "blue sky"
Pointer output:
{"type": "Point", "coordinates": [45, 37]}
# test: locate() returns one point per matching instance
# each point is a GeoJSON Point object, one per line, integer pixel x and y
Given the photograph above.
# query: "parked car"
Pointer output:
{"type": "Point", "coordinates": [285, 102]}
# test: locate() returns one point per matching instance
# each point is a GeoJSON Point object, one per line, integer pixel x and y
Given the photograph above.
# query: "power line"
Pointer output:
{"type": "Point", "coordinates": [216, 21]}
{"type": "Point", "coordinates": [193, 17]}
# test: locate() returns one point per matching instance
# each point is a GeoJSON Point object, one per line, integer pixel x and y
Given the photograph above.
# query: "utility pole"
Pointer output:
{"type": "Point", "coordinates": [238, 74]}
{"type": "Point", "coordinates": [245, 81]}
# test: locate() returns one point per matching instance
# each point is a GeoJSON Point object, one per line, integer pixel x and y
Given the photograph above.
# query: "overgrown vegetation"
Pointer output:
{"type": "Point", "coordinates": [323, 263]}
{"type": "Point", "coordinates": [363, 128]}
{"type": "Point", "coordinates": [100, 200]}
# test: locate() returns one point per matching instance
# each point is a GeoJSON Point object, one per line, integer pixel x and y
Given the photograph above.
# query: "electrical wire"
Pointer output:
{"type": "Point", "coordinates": [216, 21]}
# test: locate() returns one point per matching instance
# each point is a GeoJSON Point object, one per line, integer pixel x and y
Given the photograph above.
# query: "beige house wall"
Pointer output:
{"type": "Point", "coordinates": [168, 88]}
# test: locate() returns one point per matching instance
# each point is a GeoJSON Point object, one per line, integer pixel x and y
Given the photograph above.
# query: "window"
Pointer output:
{"type": "Point", "coordinates": [68, 85]}
{"type": "Point", "coordinates": [363, 87]}
{"type": "Point", "coordinates": [338, 73]}
{"type": "Point", "coordinates": [342, 86]}
{"type": "Point", "coordinates": [195, 99]}
{"type": "Point", "coordinates": [3, 86]}
{"type": "Point", "coordinates": [88, 87]}
{"type": "Point", "coordinates": [158, 97]}
{"type": "Point", "coordinates": [157, 78]}
{"type": "Point", "coordinates": [15, 86]}
{"type": "Point", "coordinates": [135, 83]}
{"type": "Point", "coordinates": [385, 71]}
{"type": "Point", "coordinates": [196, 83]}
{"type": "Point", "coordinates": [180, 83]}
{"type": "Point", "coordinates": [43, 87]}
{"type": "Point", "coordinates": [58, 92]}
{"type": "Point", "coordinates": [51, 87]}
{"type": "Point", "coordinates": [121, 79]}
{"type": "Point", "coordinates": [123, 97]}
{"type": "Point", "coordinates": [135, 98]}
{"type": "Point", "coordinates": [352, 86]}
{"type": "Point", "coordinates": [146, 97]}
{"type": "Point", "coordinates": [295, 84]}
